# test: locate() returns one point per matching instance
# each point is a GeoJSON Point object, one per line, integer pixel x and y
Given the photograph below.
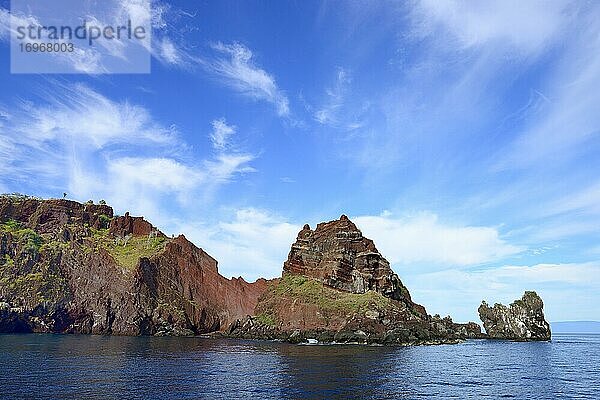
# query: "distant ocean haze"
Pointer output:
{"type": "Point", "coordinates": [575, 327]}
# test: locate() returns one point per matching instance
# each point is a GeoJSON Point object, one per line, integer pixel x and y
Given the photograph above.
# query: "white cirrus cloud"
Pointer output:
{"type": "Point", "coordinates": [161, 17]}
{"type": "Point", "coordinates": [327, 114]}
{"type": "Point", "coordinates": [163, 174]}
{"type": "Point", "coordinates": [422, 238]}
{"type": "Point", "coordinates": [527, 26]}
{"type": "Point", "coordinates": [586, 200]}
{"type": "Point", "coordinates": [567, 124]}
{"type": "Point", "coordinates": [91, 118]}
{"type": "Point", "coordinates": [236, 68]}
{"type": "Point", "coordinates": [224, 166]}
{"type": "Point", "coordinates": [221, 133]}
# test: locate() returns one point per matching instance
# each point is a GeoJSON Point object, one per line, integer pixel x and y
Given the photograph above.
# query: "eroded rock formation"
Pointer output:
{"type": "Point", "coordinates": [71, 267]}
{"type": "Point", "coordinates": [336, 286]}
{"type": "Point", "coordinates": [522, 320]}
{"type": "Point", "coordinates": [337, 254]}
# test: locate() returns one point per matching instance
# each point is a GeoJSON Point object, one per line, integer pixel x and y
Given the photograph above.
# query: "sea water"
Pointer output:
{"type": "Point", "coordinates": [106, 367]}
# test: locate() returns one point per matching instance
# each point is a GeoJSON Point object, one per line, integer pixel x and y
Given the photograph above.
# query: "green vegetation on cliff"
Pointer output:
{"type": "Point", "coordinates": [309, 291]}
{"type": "Point", "coordinates": [26, 273]}
{"type": "Point", "coordinates": [25, 236]}
{"type": "Point", "coordinates": [127, 251]}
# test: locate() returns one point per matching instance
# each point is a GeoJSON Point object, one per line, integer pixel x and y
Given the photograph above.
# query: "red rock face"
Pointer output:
{"type": "Point", "coordinates": [176, 291]}
{"type": "Point", "coordinates": [50, 215]}
{"type": "Point", "coordinates": [187, 277]}
{"type": "Point", "coordinates": [127, 225]}
{"type": "Point", "coordinates": [337, 254]}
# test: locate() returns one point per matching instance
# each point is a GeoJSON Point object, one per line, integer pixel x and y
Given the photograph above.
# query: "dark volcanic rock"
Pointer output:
{"type": "Point", "coordinates": [74, 268]}
{"type": "Point", "coordinates": [522, 320]}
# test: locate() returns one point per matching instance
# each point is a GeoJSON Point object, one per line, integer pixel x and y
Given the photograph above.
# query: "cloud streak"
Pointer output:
{"type": "Point", "coordinates": [476, 24]}
{"type": "Point", "coordinates": [76, 138]}
{"type": "Point", "coordinates": [235, 66]}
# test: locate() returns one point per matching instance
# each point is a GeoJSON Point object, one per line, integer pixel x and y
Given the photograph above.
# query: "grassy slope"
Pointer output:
{"type": "Point", "coordinates": [40, 282]}
{"type": "Point", "coordinates": [127, 256]}
{"type": "Point", "coordinates": [330, 302]}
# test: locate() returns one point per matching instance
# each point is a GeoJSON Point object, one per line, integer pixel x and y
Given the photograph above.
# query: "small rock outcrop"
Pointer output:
{"type": "Point", "coordinates": [522, 320]}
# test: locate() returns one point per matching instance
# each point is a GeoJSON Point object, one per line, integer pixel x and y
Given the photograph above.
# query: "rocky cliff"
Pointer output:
{"type": "Point", "coordinates": [336, 286]}
{"type": "Point", "coordinates": [522, 320]}
{"type": "Point", "coordinates": [72, 267]}
{"type": "Point", "coordinates": [337, 254]}
{"type": "Point", "coordinates": [77, 268]}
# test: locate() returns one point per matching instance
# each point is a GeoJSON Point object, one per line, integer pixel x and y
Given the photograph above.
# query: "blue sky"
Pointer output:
{"type": "Point", "coordinates": [463, 137]}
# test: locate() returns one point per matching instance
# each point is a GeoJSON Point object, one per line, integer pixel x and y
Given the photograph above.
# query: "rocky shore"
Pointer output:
{"type": "Point", "coordinates": [68, 267]}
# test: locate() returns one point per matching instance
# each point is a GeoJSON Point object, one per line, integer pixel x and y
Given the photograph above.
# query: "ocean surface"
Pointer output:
{"type": "Point", "coordinates": [102, 367]}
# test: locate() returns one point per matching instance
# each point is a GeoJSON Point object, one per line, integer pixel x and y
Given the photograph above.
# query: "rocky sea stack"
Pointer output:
{"type": "Point", "coordinates": [336, 286]}
{"type": "Point", "coordinates": [522, 320]}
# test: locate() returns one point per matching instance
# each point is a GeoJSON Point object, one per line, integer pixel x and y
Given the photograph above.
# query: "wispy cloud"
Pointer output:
{"type": "Point", "coordinates": [91, 60]}
{"type": "Point", "coordinates": [327, 114]}
{"type": "Point", "coordinates": [221, 133]}
{"type": "Point", "coordinates": [80, 140]}
{"type": "Point", "coordinates": [568, 121]}
{"type": "Point", "coordinates": [169, 49]}
{"type": "Point", "coordinates": [236, 67]}
{"type": "Point", "coordinates": [585, 201]}
{"type": "Point", "coordinates": [227, 162]}
{"type": "Point", "coordinates": [528, 27]}
{"type": "Point", "coordinates": [92, 119]}
{"type": "Point", "coordinates": [334, 110]}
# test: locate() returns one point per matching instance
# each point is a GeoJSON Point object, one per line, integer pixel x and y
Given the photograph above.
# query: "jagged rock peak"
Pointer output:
{"type": "Point", "coordinates": [522, 320]}
{"type": "Point", "coordinates": [337, 254]}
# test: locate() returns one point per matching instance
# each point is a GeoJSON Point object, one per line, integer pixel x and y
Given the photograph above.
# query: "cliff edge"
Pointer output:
{"type": "Point", "coordinates": [68, 267]}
